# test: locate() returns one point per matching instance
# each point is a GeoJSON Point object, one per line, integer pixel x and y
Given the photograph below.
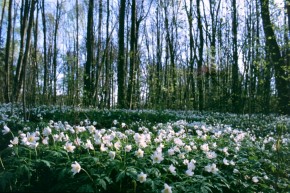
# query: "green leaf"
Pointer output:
{"type": "Point", "coordinates": [47, 163]}
{"type": "Point", "coordinates": [103, 183]}
{"type": "Point", "coordinates": [120, 176]}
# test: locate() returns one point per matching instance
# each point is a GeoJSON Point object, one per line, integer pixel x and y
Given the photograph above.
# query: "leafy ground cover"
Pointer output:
{"type": "Point", "coordinates": [64, 149]}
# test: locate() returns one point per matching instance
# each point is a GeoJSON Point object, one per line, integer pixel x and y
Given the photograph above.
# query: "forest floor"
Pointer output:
{"type": "Point", "coordinates": [69, 149]}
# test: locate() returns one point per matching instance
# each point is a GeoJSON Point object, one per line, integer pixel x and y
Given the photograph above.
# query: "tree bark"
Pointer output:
{"type": "Point", "coordinates": [90, 56]}
{"type": "Point", "coordinates": [235, 68]}
{"type": "Point", "coordinates": [273, 50]}
{"type": "Point", "coordinates": [121, 57]}
{"type": "Point", "coordinates": [7, 55]}
{"type": "Point", "coordinates": [200, 59]}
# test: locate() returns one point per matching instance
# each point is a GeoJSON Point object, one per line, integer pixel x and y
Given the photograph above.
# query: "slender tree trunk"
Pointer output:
{"type": "Point", "coordinates": [90, 56]}
{"type": "Point", "coordinates": [55, 51]}
{"type": "Point", "coordinates": [200, 59]}
{"type": "Point", "coordinates": [45, 73]}
{"type": "Point", "coordinates": [7, 55]}
{"type": "Point", "coordinates": [76, 97]}
{"type": "Point", "coordinates": [132, 55]}
{"type": "Point", "coordinates": [235, 68]}
{"type": "Point", "coordinates": [107, 61]}
{"type": "Point", "coordinates": [121, 57]}
{"type": "Point", "coordinates": [1, 20]}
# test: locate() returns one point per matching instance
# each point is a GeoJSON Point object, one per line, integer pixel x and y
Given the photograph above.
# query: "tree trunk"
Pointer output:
{"type": "Point", "coordinates": [273, 50]}
{"type": "Point", "coordinates": [132, 55]}
{"type": "Point", "coordinates": [55, 51]}
{"type": "Point", "coordinates": [7, 55]}
{"type": "Point", "coordinates": [235, 68]}
{"type": "Point", "coordinates": [121, 57]}
{"type": "Point", "coordinates": [1, 20]}
{"type": "Point", "coordinates": [45, 73]}
{"type": "Point", "coordinates": [200, 59]}
{"type": "Point", "coordinates": [90, 56]}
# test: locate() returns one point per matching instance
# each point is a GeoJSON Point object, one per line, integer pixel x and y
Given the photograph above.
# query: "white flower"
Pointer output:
{"type": "Point", "coordinates": [170, 151]}
{"type": "Point", "coordinates": [91, 128]}
{"type": "Point", "coordinates": [76, 168]}
{"type": "Point", "coordinates": [5, 130]}
{"type": "Point", "coordinates": [211, 168]}
{"type": "Point", "coordinates": [189, 172]}
{"type": "Point", "coordinates": [45, 141]}
{"type": "Point", "coordinates": [123, 125]}
{"type": "Point", "coordinates": [89, 145]}
{"type": "Point", "coordinates": [117, 145]}
{"type": "Point", "coordinates": [181, 155]}
{"type": "Point", "coordinates": [172, 169]}
{"type": "Point", "coordinates": [255, 179]}
{"type": "Point", "coordinates": [167, 189]}
{"type": "Point", "coordinates": [141, 177]}
{"type": "Point", "coordinates": [78, 141]}
{"type": "Point", "coordinates": [204, 147]}
{"type": "Point", "coordinates": [14, 141]}
{"type": "Point", "coordinates": [139, 153]}
{"type": "Point", "coordinates": [69, 147]}
{"type": "Point", "coordinates": [226, 162]}
{"type": "Point", "coordinates": [199, 132]}
{"type": "Point", "coordinates": [128, 148]}
{"type": "Point", "coordinates": [178, 142]}
{"type": "Point", "coordinates": [266, 177]}
{"type": "Point", "coordinates": [157, 157]}
{"type": "Point", "coordinates": [115, 122]}
{"type": "Point", "coordinates": [46, 131]}
{"type": "Point", "coordinates": [232, 163]}
{"type": "Point", "coordinates": [211, 155]}
{"type": "Point", "coordinates": [235, 171]}
{"type": "Point", "coordinates": [185, 161]}
{"type": "Point", "coordinates": [191, 165]}
{"type": "Point", "coordinates": [103, 147]}
{"type": "Point", "coordinates": [187, 148]}
{"type": "Point", "coordinates": [112, 154]}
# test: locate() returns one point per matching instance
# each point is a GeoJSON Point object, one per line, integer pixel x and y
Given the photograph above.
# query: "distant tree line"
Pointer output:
{"type": "Point", "coordinates": [213, 55]}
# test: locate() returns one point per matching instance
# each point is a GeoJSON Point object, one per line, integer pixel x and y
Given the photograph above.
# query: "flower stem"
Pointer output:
{"type": "Point", "coordinates": [90, 179]}
{"type": "Point", "coordinates": [2, 163]}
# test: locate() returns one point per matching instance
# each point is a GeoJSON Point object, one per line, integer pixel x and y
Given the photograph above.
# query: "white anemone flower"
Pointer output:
{"type": "Point", "coordinates": [187, 148]}
{"type": "Point", "coordinates": [189, 172]}
{"type": "Point", "coordinates": [204, 147]}
{"type": "Point", "coordinates": [69, 147]}
{"type": "Point", "coordinates": [139, 153]}
{"type": "Point", "coordinates": [167, 189]}
{"type": "Point", "coordinates": [117, 145]}
{"type": "Point", "coordinates": [170, 151]}
{"type": "Point", "coordinates": [142, 177]}
{"type": "Point", "coordinates": [5, 130]}
{"type": "Point", "coordinates": [89, 145]}
{"type": "Point", "coordinates": [235, 171]}
{"type": "Point", "coordinates": [172, 169]}
{"type": "Point", "coordinates": [157, 157]}
{"type": "Point", "coordinates": [255, 179]}
{"type": "Point", "coordinates": [112, 154]}
{"type": "Point", "coordinates": [76, 167]}
{"type": "Point", "coordinates": [46, 131]}
{"type": "Point", "coordinates": [211, 168]}
{"type": "Point", "coordinates": [226, 162]}
{"type": "Point", "coordinates": [211, 155]}
{"type": "Point", "coordinates": [13, 142]}
{"type": "Point", "coordinates": [128, 148]}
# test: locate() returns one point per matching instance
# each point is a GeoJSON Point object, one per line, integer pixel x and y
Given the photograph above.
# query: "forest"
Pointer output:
{"type": "Point", "coordinates": [206, 55]}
